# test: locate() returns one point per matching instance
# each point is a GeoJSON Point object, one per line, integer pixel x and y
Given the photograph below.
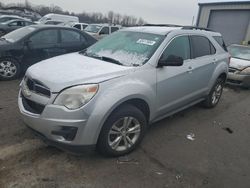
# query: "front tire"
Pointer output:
{"type": "Point", "coordinates": [215, 94]}
{"type": "Point", "coordinates": [122, 132]}
{"type": "Point", "coordinates": [9, 69]}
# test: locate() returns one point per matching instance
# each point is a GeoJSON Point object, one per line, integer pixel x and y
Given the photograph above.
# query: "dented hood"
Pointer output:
{"type": "Point", "coordinates": [72, 69]}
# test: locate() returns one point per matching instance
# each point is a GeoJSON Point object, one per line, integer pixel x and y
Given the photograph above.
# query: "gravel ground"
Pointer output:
{"type": "Point", "coordinates": [219, 155]}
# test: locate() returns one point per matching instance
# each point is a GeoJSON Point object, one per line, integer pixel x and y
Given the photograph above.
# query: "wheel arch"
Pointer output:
{"type": "Point", "coordinates": [138, 102]}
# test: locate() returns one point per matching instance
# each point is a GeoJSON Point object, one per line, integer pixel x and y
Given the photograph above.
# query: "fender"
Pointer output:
{"type": "Point", "coordinates": [112, 98]}
{"type": "Point", "coordinates": [220, 69]}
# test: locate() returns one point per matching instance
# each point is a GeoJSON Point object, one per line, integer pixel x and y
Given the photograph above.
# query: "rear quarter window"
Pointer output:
{"type": "Point", "coordinates": [201, 46]}
{"type": "Point", "coordinates": [221, 42]}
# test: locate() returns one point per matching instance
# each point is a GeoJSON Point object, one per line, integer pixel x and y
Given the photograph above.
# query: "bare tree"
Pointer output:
{"type": "Point", "coordinates": [141, 21]}
{"type": "Point", "coordinates": [111, 17]}
{"type": "Point", "coordinates": [27, 4]}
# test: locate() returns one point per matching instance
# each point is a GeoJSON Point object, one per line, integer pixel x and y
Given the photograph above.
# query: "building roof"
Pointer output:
{"type": "Point", "coordinates": [225, 2]}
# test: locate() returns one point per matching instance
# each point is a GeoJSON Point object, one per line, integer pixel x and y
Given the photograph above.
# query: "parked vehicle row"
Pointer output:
{"type": "Point", "coordinates": [11, 23]}
{"type": "Point", "coordinates": [106, 96]}
{"type": "Point", "coordinates": [101, 30]}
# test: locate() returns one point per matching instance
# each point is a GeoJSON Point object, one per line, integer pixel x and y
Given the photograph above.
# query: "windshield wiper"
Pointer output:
{"type": "Point", "coordinates": [104, 58]}
{"type": "Point", "coordinates": [111, 60]}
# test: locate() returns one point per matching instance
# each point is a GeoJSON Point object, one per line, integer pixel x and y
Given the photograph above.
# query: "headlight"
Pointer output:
{"type": "Point", "coordinates": [75, 97]}
{"type": "Point", "coordinates": [245, 71]}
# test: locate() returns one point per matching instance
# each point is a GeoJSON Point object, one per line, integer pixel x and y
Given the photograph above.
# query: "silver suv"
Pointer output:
{"type": "Point", "coordinates": [106, 96]}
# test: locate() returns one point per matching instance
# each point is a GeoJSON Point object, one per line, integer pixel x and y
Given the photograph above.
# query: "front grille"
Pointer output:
{"type": "Point", "coordinates": [32, 106]}
{"type": "Point", "coordinates": [38, 87]}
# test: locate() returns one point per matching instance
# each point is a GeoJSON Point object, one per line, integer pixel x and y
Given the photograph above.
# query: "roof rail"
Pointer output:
{"type": "Point", "coordinates": [196, 28]}
{"type": "Point", "coordinates": [163, 25]}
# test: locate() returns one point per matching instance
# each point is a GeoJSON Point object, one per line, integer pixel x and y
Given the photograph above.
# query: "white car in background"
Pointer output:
{"type": "Point", "coordinates": [239, 70]}
{"type": "Point", "coordinates": [101, 30]}
{"type": "Point", "coordinates": [54, 19]}
{"type": "Point", "coordinates": [80, 26]}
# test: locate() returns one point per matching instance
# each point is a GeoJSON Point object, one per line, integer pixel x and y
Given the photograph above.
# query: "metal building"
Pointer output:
{"type": "Point", "coordinates": [231, 19]}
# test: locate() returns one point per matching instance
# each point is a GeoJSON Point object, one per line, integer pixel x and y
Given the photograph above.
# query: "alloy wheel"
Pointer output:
{"type": "Point", "coordinates": [7, 69]}
{"type": "Point", "coordinates": [217, 93]}
{"type": "Point", "coordinates": [124, 133]}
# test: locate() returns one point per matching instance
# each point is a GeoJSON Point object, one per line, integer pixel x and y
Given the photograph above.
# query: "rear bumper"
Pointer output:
{"type": "Point", "coordinates": [238, 80]}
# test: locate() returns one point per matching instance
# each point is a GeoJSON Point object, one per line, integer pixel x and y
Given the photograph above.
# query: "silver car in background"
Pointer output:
{"type": "Point", "coordinates": [106, 96]}
{"type": "Point", "coordinates": [239, 69]}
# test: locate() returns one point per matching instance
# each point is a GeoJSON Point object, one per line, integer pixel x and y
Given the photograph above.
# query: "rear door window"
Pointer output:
{"type": "Point", "coordinates": [178, 47]}
{"type": "Point", "coordinates": [221, 42]}
{"type": "Point", "coordinates": [113, 29]}
{"type": "Point", "coordinates": [16, 23]}
{"type": "Point", "coordinates": [45, 37]}
{"type": "Point", "coordinates": [201, 46]}
{"type": "Point", "coordinates": [104, 31]}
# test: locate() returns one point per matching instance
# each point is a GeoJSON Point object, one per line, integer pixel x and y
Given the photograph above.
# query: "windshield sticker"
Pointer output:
{"type": "Point", "coordinates": [146, 42]}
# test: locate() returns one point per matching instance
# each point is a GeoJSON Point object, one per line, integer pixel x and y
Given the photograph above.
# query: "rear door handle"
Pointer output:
{"type": "Point", "coordinates": [214, 61]}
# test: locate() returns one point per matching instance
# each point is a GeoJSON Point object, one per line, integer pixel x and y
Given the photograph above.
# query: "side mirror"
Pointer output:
{"type": "Point", "coordinates": [172, 60]}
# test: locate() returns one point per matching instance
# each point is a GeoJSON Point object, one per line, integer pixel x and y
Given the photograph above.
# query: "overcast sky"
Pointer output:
{"type": "Point", "coordinates": [153, 11]}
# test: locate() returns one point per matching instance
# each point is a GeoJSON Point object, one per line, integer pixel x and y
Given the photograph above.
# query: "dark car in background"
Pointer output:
{"type": "Point", "coordinates": [28, 45]}
{"type": "Point", "coordinates": [12, 25]}
{"type": "Point", "coordinates": [5, 18]}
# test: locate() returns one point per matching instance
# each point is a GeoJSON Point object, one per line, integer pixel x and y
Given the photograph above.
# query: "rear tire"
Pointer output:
{"type": "Point", "coordinates": [215, 94]}
{"type": "Point", "coordinates": [9, 69]}
{"type": "Point", "coordinates": [122, 132]}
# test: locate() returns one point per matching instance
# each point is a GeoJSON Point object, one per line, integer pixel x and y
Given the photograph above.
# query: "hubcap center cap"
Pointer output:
{"type": "Point", "coordinates": [124, 133]}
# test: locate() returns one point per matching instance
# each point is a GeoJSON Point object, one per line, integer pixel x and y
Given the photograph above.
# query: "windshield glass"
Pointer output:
{"type": "Point", "coordinates": [93, 28]}
{"type": "Point", "coordinates": [240, 52]}
{"type": "Point", "coordinates": [18, 34]}
{"type": "Point", "coordinates": [126, 47]}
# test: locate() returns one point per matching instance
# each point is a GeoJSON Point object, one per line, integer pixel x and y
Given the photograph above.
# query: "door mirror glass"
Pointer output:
{"type": "Point", "coordinates": [172, 60]}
